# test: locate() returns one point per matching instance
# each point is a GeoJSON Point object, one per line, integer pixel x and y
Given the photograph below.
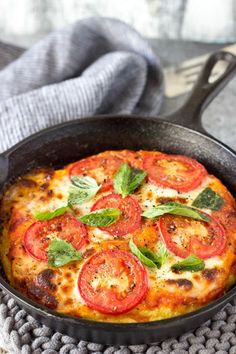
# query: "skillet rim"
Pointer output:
{"type": "Point", "coordinates": [111, 326]}
{"type": "Point", "coordinates": [158, 119]}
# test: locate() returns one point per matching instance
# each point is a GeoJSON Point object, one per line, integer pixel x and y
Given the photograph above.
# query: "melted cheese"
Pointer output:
{"type": "Point", "coordinates": [169, 293]}
{"type": "Point", "coordinates": [149, 193]}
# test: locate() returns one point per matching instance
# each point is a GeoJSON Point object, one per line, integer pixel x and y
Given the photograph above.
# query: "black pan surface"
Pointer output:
{"type": "Point", "coordinates": [68, 142]}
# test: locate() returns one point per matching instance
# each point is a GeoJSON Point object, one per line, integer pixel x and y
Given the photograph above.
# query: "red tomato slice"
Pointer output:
{"type": "Point", "coordinates": [98, 167]}
{"type": "Point", "coordinates": [113, 282]}
{"type": "Point", "coordinates": [102, 167]}
{"type": "Point", "coordinates": [184, 236]}
{"type": "Point", "coordinates": [131, 157]}
{"type": "Point", "coordinates": [38, 236]}
{"type": "Point", "coordinates": [130, 219]}
{"type": "Point", "coordinates": [174, 171]}
{"type": "Point", "coordinates": [35, 240]}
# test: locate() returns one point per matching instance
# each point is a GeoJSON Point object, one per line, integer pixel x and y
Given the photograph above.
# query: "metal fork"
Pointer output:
{"type": "Point", "coordinates": [180, 79]}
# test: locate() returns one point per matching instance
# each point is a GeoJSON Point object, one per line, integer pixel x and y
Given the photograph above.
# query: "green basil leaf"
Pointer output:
{"type": "Point", "coordinates": [47, 215]}
{"type": "Point", "coordinates": [84, 182]}
{"type": "Point", "coordinates": [136, 179]}
{"type": "Point", "coordinates": [175, 209]}
{"type": "Point", "coordinates": [77, 196]}
{"type": "Point", "coordinates": [83, 189]}
{"type": "Point", "coordinates": [191, 263]}
{"type": "Point", "coordinates": [159, 258]}
{"type": "Point", "coordinates": [121, 180]}
{"type": "Point", "coordinates": [141, 256]}
{"type": "Point", "coordinates": [61, 252]}
{"type": "Point", "coordinates": [208, 199]}
{"type": "Point", "coordinates": [127, 179]}
{"type": "Point", "coordinates": [102, 217]}
{"type": "Point", "coordinates": [163, 253]}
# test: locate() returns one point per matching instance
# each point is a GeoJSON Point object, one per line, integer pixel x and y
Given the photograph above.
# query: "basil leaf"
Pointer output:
{"type": "Point", "coordinates": [76, 196]}
{"type": "Point", "coordinates": [121, 180]}
{"type": "Point", "coordinates": [191, 263]}
{"type": "Point", "coordinates": [160, 258]}
{"type": "Point", "coordinates": [208, 199]}
{"type": "Point", "coordinates": [47, 215]}
{"type": "Point", "coordinates": [61, 252]}
{"type": "Point", "coordinates": [141, 256]}
{"type": "Point", "coordinates": [102, 217]}
{"type": "Point", "coordinates": [127, 179]}
{"type": "Point", "coordinates": [175, 209]}
{"type": "Point", "coordinates": [84, 182]}
{"type": "Point", "coordinates": [83, 189]}
{"type": "Point", "coordinates": [136, 179]}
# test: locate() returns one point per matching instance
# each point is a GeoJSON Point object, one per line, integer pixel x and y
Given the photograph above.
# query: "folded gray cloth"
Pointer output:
{"type": "Point", "coordinates": [95, 66]}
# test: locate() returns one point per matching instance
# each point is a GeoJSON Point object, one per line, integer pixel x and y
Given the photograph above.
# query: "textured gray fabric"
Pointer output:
{"type": "Point", "coordinates": [82, 64]}
{"type": "Point", "coordinates": [94, 66]}
{"type": "Point", "coordinates": [22, 334]}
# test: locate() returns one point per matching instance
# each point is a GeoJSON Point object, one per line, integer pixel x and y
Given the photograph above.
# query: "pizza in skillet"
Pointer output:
{"type": "Point", "coordinates": [121, 236]}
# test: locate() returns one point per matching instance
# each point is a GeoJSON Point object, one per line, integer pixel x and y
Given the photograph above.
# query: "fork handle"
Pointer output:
{"type": "Point", "coordinates": [203, 92]}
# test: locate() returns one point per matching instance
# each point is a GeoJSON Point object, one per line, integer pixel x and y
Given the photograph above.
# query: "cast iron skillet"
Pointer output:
{"type": "Point", "coordinates": [70, 141]}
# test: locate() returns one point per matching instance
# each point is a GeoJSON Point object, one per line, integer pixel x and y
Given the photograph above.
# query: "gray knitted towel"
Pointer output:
{"type": "Point", "coordinates": [97, 65]}
{"type": "Point", "coordinates": [93, 66]}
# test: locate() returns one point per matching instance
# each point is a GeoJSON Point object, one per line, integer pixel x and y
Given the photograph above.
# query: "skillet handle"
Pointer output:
{"type": "Point", "coordinates": [203, 92]}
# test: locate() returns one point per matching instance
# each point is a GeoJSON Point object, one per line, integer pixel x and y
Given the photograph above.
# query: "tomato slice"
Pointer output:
{"type": "Point", "coordinates": [174, 171]}
{"type": "Point", "coordinates": [130, 218]}
{"type": "Point", "coordinates": [38, 236]}
{"type": "Point", "coordinates": [113, 282]}
{"type": "Point", "coordinates": [100, 168]}
{"type": "Point", "coordinates": [184, 236]}
{"type": "Point", "coordinates": [103, 166]}
{"type": "Point", "coordinates": [131, 157]}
